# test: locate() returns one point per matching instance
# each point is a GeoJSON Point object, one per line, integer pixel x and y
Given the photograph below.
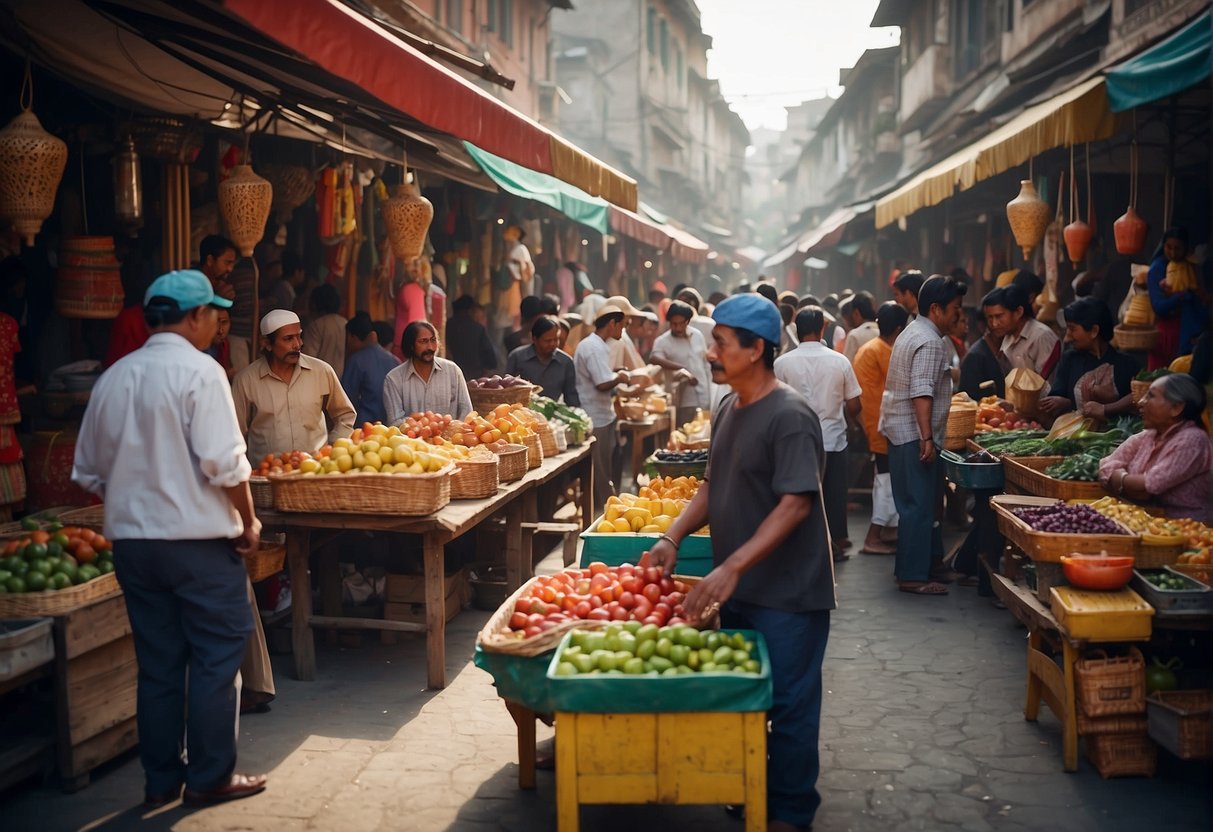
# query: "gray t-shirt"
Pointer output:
{"type": "Point", "coordinates": [759, 453]}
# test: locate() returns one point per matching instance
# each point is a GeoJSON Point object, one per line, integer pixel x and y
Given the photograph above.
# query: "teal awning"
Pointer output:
{"type": "Point", "coordinates": [1179, 62]}
{"type": "Point", "coordinates": [568, 199]}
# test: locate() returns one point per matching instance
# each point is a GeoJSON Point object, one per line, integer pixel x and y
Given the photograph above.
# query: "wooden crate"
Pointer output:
{"type": "Point", "coordinates": [95, 673]}
{"type": "Point", "coordinates": [1049, 547]}
{"type": "Point", "coordinates": [415, 613]}
{"type": "Point", "coordinates": [1028, 474]}
{"type": "Point", "coordinates": [410, 589]}
{"type": "Point", "coordinates": [682, 758]}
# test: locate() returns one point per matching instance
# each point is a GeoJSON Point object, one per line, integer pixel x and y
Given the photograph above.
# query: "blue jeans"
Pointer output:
{"type": "Point", "coordinates": [190, 617]}
{"type": "Point", "coordinates": [916, 492]}
{"type": "Point", "coordinates": [796, 642]}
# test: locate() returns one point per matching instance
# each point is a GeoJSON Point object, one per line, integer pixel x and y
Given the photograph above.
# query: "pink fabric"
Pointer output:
{"type": "Point", "coordinates": [1176, 467]}
{"type": "Point", "coordinates": [410, 306]}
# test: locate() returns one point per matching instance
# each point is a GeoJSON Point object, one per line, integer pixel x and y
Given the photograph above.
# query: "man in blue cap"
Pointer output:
{"type": "Point", "coordinates": [772, 566]}
{"type": "Point", "coordinates": [160, 444]}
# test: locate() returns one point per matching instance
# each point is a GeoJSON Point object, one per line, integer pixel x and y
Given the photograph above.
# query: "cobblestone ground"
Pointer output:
{"type": "Point", "coordinates": [922, 729]}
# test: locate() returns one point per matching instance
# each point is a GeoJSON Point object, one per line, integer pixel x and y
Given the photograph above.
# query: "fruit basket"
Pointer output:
{"type": "Point", "coordinates": [512, 462]}
{"type": "Point", "coordinates": [485, 399]}
{"type": "Point", "coordinates": [1050, 547]}
{"type": "Point", "coordinates": [683, 463]}
{"type": "Point", "coordinates": [409, 495]}
{"type": "Point", "coordinates": [475, 478]}
{"type": "Point", "coordinates": [615, 548]}
{"type": "Point", "coordinates": [1028, 473]}
{"type": "Point", "coordinates": [650, 692]}
{"type": "Point", "coordinates": [1173, 593]}
{"type": "Point", "coordinates": [57, 602]}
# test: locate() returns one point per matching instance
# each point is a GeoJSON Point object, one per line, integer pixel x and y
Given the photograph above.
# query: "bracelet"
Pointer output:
{"type": "Point", "coordinates": [930, 439]}
{"type": "Point", "coordinates": [670, 540]}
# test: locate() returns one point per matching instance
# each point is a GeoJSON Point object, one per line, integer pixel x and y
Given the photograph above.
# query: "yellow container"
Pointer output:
{"type": "Point", "coordinates": [1122, 615]}
{"type": "Point", "coordinates": [683, 758]}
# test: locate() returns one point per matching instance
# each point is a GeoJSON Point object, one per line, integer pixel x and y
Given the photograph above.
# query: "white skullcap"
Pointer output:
{"type": "Point", "coordinates": [276, 320]}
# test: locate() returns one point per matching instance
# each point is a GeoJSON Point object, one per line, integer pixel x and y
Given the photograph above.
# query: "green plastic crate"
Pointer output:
{"type": "Point", "coordinates": [694, 692]}
{"type": "Point", "coordinates": [694, 555]}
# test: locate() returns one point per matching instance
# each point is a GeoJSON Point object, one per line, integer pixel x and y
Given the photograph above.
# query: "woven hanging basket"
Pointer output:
{"type": "Point", "coordinates": [31, 167]}
{"type": "Point", "coordinates": [292, 185]}
{"type": "Point", "coordinates": [244, 203]}
{"type": "Point", "coordinates": [1029, 217]}
{"type": "Point", "coordinates": [407, 216]}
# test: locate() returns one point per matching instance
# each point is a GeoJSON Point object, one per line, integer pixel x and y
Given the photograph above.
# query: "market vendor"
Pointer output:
{"type": "Point", "coordinates": [285, 400]}
{"type": "Point", "coordinates": [1168, 462]}
{"type": "Point", "coordinates": [424, 382]}
{"type": "Point", "coordinates": [772, 567]}
{"type": "Point", "coordinates": [543, 363]}
{"type": "Point", "coordinates": [1026, 342]}
{"type": "Point", "coordinates": [683, 353]}
{"type": "Point", "coordinates": [1180, 302]}
{"type": "Point", "coordinates": [1092, 376]}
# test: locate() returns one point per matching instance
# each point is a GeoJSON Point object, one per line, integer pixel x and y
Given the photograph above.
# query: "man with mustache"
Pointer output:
{"type": "Point", "coordinates": [285, 400]}
{"type": "Point", "coordinates": [424, 381]}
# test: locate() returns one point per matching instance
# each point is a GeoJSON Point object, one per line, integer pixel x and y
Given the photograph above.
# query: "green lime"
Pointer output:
{"type": "Point", "coordinates": [35, 582]}
{"type": "Point", "coordinates": [40, 565]}
{"type": "Point", "coordinates": [88, 572]}
{"type": "Point", "coordinates": [72, 572]}
{"type": "Point", "coordinates": [59, 581]}
{"type": "Point", "coordinates": [5, 575]}
{"type": "Point", "coordinates": [35, 550]}
{"type": "Point", "coordinates": [30, 524]}
{"type": "Point", "coordinates": [61, 539]}
{"type": "Point", "coordinates": [18, 566]}
{"type": "Point", "coordinates": [105, 567]}
{"type": "Point", "coordinates": [15, 584]}
{"type": "Point", "coordinates": [54, 526]}
{"type": "Point", "coordinates": [54, 549]}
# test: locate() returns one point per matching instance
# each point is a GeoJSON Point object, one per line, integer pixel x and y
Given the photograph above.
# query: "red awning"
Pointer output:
{"type": "Point", "coordinates": [681, 244]}
{"type": "Point", "coordinates": [354, 48]}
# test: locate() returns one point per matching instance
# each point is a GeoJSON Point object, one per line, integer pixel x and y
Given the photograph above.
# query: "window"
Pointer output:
{"type": "Point", "coordinates": [454, 16]}
{"type": "Point", "coordinates": [974, 36]}
{"type": "Point", "coordinates": [665, 45]}
{"type": "Point", "coordinates": [651, 30]}
{"type": "Point", "coordinates": [678, 67]}
{"type": "Point", "coordinates": [501, 20]}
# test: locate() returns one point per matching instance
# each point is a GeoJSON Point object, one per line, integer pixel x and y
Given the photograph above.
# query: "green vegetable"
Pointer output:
{"type": "Point", "coordinates": [1082, 467]}
{"type": "Point", "coordinates": [1152, 375]}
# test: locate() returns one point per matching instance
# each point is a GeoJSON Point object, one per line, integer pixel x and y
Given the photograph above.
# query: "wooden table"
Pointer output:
{"type": "Point", "coordinates": [1046, 681]}
{"type": "Point", "coordinates": [517, 499]}
{"type": "Point", "coordinates": [655, 426]}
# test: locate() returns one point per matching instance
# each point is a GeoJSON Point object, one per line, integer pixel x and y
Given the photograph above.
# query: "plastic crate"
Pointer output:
{"type": "Point", "coordinates": [975, 475]}
{"type": "Point", "coordinates": [1122, 615]}
{"type": "Point", "coordinates": [615, 548]}
{"type": "Point", "coordinates": [24, 645]}
{"type": "Point", "coordinates": [1196, 600]}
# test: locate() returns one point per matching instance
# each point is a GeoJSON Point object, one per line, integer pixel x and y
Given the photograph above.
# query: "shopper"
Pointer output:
{"type": "Point", "coordinates": [324, 336]}
{"type": "Point", "coordinates": [905, 290]}
{"type": "Point", "coordinates": [161, 445]}
{"type": "Point", "coordinates": [859, 312]}
{"type": "Point", "coordinates": [827, 381]}
{"type": "Point", "coordinates": [467, 340]}
{"type": "Point", "coordinates": [771, 560]}
{"type": "Point", "coordinates": [543, 363]}
{"type": "Point", "coordinates": [683, 354]}
{"type": "Point", "coordinates": [984, 368]}
{"type": "Point", "coordinates": [1027, 343]}
{"type": "Point", "coordinates": [424, 381]}
{"type": "Point", "coordinates": [914, 417]}
{"type": "Point", "coordinates": [366, 367]}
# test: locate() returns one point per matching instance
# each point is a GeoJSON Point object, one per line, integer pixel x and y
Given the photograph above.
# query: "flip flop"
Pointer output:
{"type": "Point", "coordinates": [928, 588]}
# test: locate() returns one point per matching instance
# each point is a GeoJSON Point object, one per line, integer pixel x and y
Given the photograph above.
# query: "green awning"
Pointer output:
{"type": "Point", "coordinates": [568, 199]}
{"type": "Point", "coordinates": [1179, 62]}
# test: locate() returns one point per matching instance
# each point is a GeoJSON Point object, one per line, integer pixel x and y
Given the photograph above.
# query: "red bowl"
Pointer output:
{"type": "Point", "coordinates": [1097, 572]}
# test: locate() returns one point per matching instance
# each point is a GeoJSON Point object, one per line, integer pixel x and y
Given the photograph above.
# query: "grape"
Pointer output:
{"type": "Point", "coordinates": [1066, 519]}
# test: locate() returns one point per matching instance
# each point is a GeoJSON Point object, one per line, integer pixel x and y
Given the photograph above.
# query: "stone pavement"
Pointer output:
{"type": "Point", "coordinates": [922, 729]}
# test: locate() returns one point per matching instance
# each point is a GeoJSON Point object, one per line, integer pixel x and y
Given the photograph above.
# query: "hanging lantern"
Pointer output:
{"type": "Point", "coordinates": [244, 203]}
{"type": "Point", "coordinates": [407, 216]}
{"type": "Point", "coordinates": [128, 189]}
{"type": "Point", "coordinates": [31, 166]}
{"type": "Point", "coordinates": [1078, 237]}
{"type": "Point", "coordinates": [1130, 231]}
{"type": "Point", "coordinates": [1028, 216]}
{"type": "Point", "coordinates": [293, 184]}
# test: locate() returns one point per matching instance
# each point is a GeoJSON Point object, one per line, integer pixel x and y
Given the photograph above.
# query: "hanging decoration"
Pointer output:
{"type": "Point", "coordinates": [1028, 216]}
{"type": "Point", "coordinates": [1078, 233]}
{"type": "Point", "coordinates": [31, 166]}
{"type": "Point", "coordinates": [407, 216]}
{"type": "Point", "coordinates": [88, 283]}
{"type": "Point", "coordinates": [1130, 229]}
{"type": "Point", "coordinates": [292, 185]}
{"type": "Point", "coordinates": [128, 189]}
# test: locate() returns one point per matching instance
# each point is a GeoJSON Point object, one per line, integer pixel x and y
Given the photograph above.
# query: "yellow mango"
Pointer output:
{"type": "Point", "coordinates": [663, 523]}
{"type": "Point", "coordinates": [651, 527]}
{"type": "Point", "coordinates": [614, 512]}
{"type": "Point", "coordinates": [605, 527]}
{"type": "Point", "coordinates": [622, 525]}
{"type": "Point", "coordinates": [638, 523]}
{"type": "Point", "coordinates": [642, 514]}
{"type": "Point", "coordinates": [670, 508]}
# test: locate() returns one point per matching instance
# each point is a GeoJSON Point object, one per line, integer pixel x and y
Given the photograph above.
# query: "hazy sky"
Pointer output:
{"type": "Point", "coordinates": [769, 54]}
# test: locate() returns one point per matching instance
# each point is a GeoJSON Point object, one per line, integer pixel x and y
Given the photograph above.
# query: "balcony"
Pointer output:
{"type": "Point", "coordinates": [925, 86]}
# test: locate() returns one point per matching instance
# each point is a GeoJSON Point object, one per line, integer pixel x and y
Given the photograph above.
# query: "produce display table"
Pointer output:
{"type": "Point", "coordinates": [452, 521]}
{"type": "Point", "coordinates": [1055, 685]}
{"type": "Point", "coordinates": [656, 426]}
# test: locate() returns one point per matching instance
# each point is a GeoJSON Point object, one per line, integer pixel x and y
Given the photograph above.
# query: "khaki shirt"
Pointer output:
{"type": "Point", "coordinates": [302, 415]}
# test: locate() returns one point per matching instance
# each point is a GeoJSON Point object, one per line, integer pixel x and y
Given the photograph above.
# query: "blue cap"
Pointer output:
{"type": "Point", "coordinates": [753, 312]}
{"type": "Point", "coordinates": [189, 287]}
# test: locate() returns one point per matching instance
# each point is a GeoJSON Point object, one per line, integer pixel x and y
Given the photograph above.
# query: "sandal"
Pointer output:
{"type": "Point", "coordinates": [923, 588]}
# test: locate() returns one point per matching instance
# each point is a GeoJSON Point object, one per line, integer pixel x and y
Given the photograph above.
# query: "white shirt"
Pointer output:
{"type": "Point", "coordinates": [857, 337]}
{"type": "Point", "coordinates": [623, 353]}
{"type": "Point", "coordinates": [826, 379]}
{"type": "Point", "coordinates": [705, 325]}
{"type": "Point", "coordinates": [405, 392]}
{"type": "Point", "coordinates": [593, 366]}
{"type": "Point", "coordinates": [692, 353]}
{"type": "Point", "coordinates": [160, 442]}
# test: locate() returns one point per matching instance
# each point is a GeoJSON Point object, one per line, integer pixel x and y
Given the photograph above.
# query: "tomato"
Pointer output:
{"type": "Point", "coordinates": [532, 631]}
{"type": "Point", "coordinates": [599, 615]}
{"type": "Point", "coordinates": [598, 567]}
{"type": "Point", "coordinates": [652, 619]}
{"type": "Point", "coordinates": [596, 601]}
{"type": "Point", "coordinates": [679, 586]}
{"type": "Point", "coordinates": [643, 608]}
{"type": "Point", "coordinates": [616, 591]}
{"type": "Point", "coordinates": [652, 592]}
{"type": "Point", "coordinates": [518, 621]}
{"type": "Point", "coordinates": [538, 607]}
{"type": "Point", "coordinates": [676, 622]}
{"type": "Point", "coordinates": [567, 602]}
{"type": "Point", "coordinates": [547, 594]}
{"type": "Point", "coordinates": [675, 598]}
{"type": "Point", "coordinates": [667, 585]}
{"type": "Point", "coordinates": [583, 586]}
{"type": "Point", "coordinates": [633, 585]}
{"type": "Point", "coordinates": [627, 600]}
{"type": "Point", "coordinates": [85, 553]}
{"type": "Point", "coordinates": [652, 575]}
{"type": "Point", "coordinates": [619, 614]}
{"type": "Point", "coordinates": [598, 583]}
{"type": "Point", "coordinates": [582, 609]}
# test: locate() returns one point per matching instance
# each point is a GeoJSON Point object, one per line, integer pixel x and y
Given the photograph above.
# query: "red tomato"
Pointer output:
{"type": "Point", "coordinates": [547, 594]}
{"type": "Point", "coordinates": [538, 607]}
{"type": "Point", "coordinates": [599, 614]}
{"type": "Point", "coordinates": [582, 609]}
{"type": "Point", "coordinates": [675, 622]}
{"type": "Point", "coordinates": [627, 600]}
{"type": "Point", "coordinates": [643, 608]}
{"type": "Point", "coordinates": [645, 560]}
{"type": "Point", "coordinates": [652, 592]}
{"type": "Point", "coordinates": [535, 619]}
{"type": "Point", "coordinates": [679, 611]}
{"type": "Point", "coordinates": [667, 585]}
{"type": "Point", "coordinates": [652, 575]}
{"type": "Point", "coordinates": [679, 586]}
{"type": "Point", "coordinates": [675, 598]}
{"type": "Point", "coordinates": [617, 591]}
{"type": "Point", "coordinates": [625, 567]}
{"type": "Point", "coordinates": [568, 602]}
{"type": "Point", "coordinates": [598, 567]}
{"type": "Point", "coordinates": [598, 583]}
{"type": "Point", "coordinates": [523, 605]}
{"type": "Point", "coordinates": [633, 585]}
{"type": "Point", "coordinates": [533, 630]}
{"type": "Point", "coordinates": [619, 614]}
{"type": "Point", "coordinates": [652, 619]}
{"type": "Point", "coordinates": [518, 621]}
{"type": "Point", "coordinates": [596, 601]}
{"type": "Point", "coordinates": [583, 586]}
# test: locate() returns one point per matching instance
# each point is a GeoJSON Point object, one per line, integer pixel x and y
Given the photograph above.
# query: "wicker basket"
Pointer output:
{"type": "Point", "coordinates": [91, 516]}
{"type": "Point", "coordinates": [267, 562]}
{"type": "Point", "coordinates": [1123, 724]}
{"type": "Point", "coordinates": [1150, 556]}
{"type": "Point", "coordinates": [57, 602]}
{"type": "Point", "coordinates": [1138, 389]}
{"type": "Point", "coordinates": [1134, 338]}
{"type": "Point", "coordinates": [1028, 473]}
{"type": "Point", "coordinates": [1111, 686]}
{"type": "Point", "coordinates": [484, 400]}
{"type": "Point", "coordinates": [1048, 547]}
{"type": "Point", "coordinates": [1122, 755]}
{"type": "Point", "coordinates": [547, 440]}
{"type": "Point", "coordinates": [534, 450]}
{"type": "Point", "coordinates": [411, 495]}
{"type": "Point", "coordinates": [263, 494]}
{"type": "Point", "coordinates": [1179, 721]}
{"type": "Point", "coordinates": [962, 424]}
{"type": "Point", "coordinates": [512, 463]}
{"type": "Point", "coordinates": [475, 478]}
